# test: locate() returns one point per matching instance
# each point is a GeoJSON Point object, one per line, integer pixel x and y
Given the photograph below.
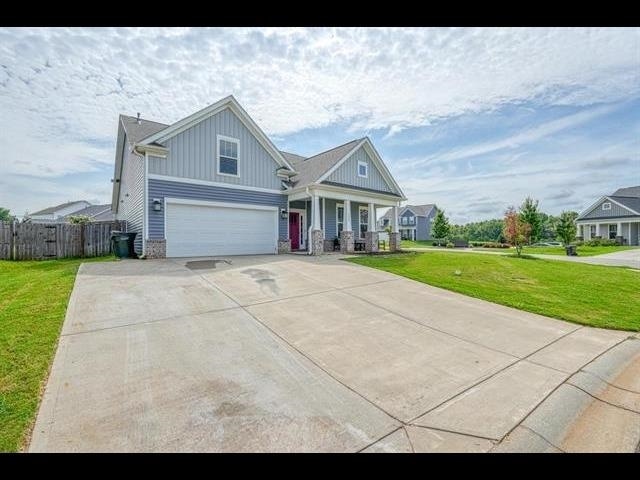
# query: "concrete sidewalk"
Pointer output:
{"type": "Point", "coordinates": [293, 353]}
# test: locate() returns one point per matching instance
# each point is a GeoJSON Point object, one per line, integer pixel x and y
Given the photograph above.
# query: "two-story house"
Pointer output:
{"type": "Point", "coordinates": [414, 221]}
{"type": "Point", "coordinates": [214, 184]}
{"type": "Point", "coordinates": [615, 216]}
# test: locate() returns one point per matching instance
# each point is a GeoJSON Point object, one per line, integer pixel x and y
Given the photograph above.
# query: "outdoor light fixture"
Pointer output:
{"type": "Point", "coordinates": [157, 204]}
{"type": "Point", "coordinates": [283, 213]}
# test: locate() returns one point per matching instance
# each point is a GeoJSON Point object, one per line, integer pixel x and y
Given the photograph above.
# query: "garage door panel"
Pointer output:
{"type": "Point", "coordinates": [203, 230]}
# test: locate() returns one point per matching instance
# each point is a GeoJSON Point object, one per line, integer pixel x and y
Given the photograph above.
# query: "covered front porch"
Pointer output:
{"type": "Point", "coordinates": [626, 232]}
{"type": "Point", "coordinates": [327, 218]}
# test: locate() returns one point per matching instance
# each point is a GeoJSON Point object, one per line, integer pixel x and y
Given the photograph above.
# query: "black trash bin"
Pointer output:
{"type": "Point", "coordinates": [122, 244]}
{"type": "Point", "coordinates": [571, 250]}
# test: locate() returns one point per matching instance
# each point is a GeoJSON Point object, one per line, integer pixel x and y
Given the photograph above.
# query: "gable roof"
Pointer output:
{"type": "Point", "coordinates": [418, 210]}
{"type": "Point", "coordinates": [93, 211]}
{"type": "Point", "coordinates": [631, 203]}
{"type": "Point", "coordinates": [293, 158]}
{"type": "Point", "coordinates": [627, 192]}
{"type": "Point", "coordinates": [311, 169]}
{"type": "Point", "coordinates": [49, 210]}
{"type": "Point", "coordinates": [137, 131]}
{"type": "Point", "coordinates": [227, 102]}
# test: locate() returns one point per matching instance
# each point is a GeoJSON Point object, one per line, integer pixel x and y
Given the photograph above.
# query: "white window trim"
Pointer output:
{"type": "Point", "coordinates": [366, 165]}
{"type": "Point", "coordinates": [606, 206]}
{"type": "Point", "coordinates": [227, 139]}
{"type": "Point", "coordinates": [337, 222]}
{"type": "Point", "coordinates": [360, 208]}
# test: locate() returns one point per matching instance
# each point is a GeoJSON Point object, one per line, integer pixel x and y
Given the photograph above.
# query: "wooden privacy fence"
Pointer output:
{"type": "Point", "coordinates": [42, 241]}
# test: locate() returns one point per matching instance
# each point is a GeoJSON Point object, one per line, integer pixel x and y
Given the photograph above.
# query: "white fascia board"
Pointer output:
{"type": "Point", "coordinates": [593, 207]}
{"type": "Point", "coordinates": [328, 173]}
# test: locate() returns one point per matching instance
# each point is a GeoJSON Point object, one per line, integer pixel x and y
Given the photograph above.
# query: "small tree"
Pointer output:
{"type": "Point", "coordinates": [441, 227]}
{"type": "Point", "coordinates": [5, 215]}
{"type": "Point", "coordinates": [566, 228]}
{"type": "Point", "coordinates": [530, 214]}
{"type": "Point", "coordinates": [79, 219]}
{"type": "Point", "coordinates": [515, 230]}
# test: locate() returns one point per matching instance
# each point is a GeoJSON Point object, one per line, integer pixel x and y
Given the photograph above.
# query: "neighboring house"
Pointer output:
{"type": "Point", "coordinates": [97, 213]}
{"type": "Point", "coordinates": [414, 221]}
{"type": "Point", "coordinates": [214, 184]}
{"type": "Point", "coordinates": [615, 215]}
{"type": "Point", "coordinates": [58, 213]}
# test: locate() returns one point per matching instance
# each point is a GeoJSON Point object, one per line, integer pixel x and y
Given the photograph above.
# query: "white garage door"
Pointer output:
{"type": "Point", "coordinates": [213, 230]}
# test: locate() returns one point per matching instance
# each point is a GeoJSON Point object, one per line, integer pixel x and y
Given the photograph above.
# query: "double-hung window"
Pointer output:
{"type": "Point", "coordinates": [228, 156]}
{"type": "Point", "coordinates": [339, 219]}
{"type": "Point", "coordinates": [364, 221]}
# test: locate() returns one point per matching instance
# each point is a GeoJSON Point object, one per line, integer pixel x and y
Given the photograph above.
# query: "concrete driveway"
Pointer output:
{"type": "Point", "coordinates": [291, 353]}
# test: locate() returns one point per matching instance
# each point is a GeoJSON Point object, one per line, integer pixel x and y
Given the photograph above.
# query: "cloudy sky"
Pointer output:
{"type": "Point", "coordinates": [470, 119]}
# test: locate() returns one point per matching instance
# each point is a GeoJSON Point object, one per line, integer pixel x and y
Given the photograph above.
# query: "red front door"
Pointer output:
{"type": "Point", "coordinates": [294, 230]}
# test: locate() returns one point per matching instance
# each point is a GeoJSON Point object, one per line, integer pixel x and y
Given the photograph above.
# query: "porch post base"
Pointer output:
{"type": "Point", "coordinates": [317, 242]}
{"type": "Point", "coordinates": [371, 242]}
{"type": "Point", "coordinates": [156, 249]}
{"type": "Point", "coordinates": [346, 241]}
{"type": "Point", "coordinates": [394, 241]}
{"type": "Point", "coordinates": [284, 245]}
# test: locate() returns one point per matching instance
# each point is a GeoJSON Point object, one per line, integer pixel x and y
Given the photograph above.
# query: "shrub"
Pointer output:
{"type": "Point", "coordinates": [600, 242]}
{"type": "Point", "coordinates": [495, 245]}
{"type": "Point", "coordinates": [450, 245]}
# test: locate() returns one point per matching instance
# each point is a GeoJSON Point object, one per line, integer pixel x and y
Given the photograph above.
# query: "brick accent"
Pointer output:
{"type": "Point", "coordinates": [317, 242]}
{"type": "Point", "coordinates": [156, 249]}
{"type": "Point", "coordinates": [346, 241]}
{"type": "Point", "coordinates": [284, 246]}
{"type": "Point", "coordinates": [394, 241]}
{"type": "Point", "coordinates": [371, 242]}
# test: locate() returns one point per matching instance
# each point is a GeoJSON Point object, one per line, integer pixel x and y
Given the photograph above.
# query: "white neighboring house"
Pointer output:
{"type": "Point", "coordinates": [58, 213]}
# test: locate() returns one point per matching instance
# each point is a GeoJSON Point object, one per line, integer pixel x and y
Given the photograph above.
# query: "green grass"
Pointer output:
{"type": "Point", "coordinates": [415, 243]}
{"type": "Point", "coordinates": [583, 250]}
{"type": "Point", "coordinates": [33, 302]}
{"type": "Point", "coordinates": [587, 294]}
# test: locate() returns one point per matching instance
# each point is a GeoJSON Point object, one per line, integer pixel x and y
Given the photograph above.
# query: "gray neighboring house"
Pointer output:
{"type": "Point", "coordinates": [615, 215]}
{"type": "Point", "coordinates": [58, 213]}
{"type": "Point", "coordinates": [414, 221]}
{"type": "Point", "coordinates": [214, 184]}
{"type": "Point", "coordinates": [97, 213]}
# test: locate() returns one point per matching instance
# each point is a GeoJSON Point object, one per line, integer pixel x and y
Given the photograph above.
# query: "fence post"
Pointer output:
{"type": "Point", "coordinates": [12, 240]}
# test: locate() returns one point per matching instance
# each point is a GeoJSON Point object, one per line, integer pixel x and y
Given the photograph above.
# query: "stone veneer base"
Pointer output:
{"type": "Point", "coordinates": [346, 241]}
{"type": "Point", "coordinates": [284, 246]}
{"type": "Point", "coordinates": [156, 249]}
{"type": "Point", "coordinates": [317, 242]}
{"type": "Point", "coordinates": [394, 242]}
{"type": "Point", "coordinates": [371, 242]}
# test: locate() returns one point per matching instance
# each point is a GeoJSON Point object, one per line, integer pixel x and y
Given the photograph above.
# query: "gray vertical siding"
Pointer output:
{"type": "Point", "coordinates": [162, 188]}
{"type": "Point", "coordinates": [347, 174]}
{"type": "Point", "coordinates": [193, 154]}
{"type": "Point", "coordinates": [132, 194]}
{"type": "Point", "coordinates": [634, 237]}
{"type": "Point", "coordinates": [422, 228]}
{"type": "Point", "coordinates": [330, 230]}
{"type": "Point", "coordinates": [616, 211]}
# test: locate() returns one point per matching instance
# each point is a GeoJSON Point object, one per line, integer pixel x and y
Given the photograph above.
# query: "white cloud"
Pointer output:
{"type": "Point", "coordinates": [61, 89]}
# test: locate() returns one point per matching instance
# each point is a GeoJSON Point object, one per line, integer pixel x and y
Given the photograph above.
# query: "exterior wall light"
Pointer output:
{"type": "Point", "coordinates": [283, 213]}
{"type": "Point", "coordinates": [157, 204]}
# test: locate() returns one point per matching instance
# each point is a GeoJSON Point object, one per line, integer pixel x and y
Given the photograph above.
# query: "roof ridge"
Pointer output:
{"type": "Point", "coordinates": [335, 148]}
{"type": "Point", "coordinates": [145, 119]}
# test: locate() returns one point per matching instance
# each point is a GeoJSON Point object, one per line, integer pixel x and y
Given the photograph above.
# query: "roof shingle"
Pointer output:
{"type": "Point", "coordinates": [314, 167]}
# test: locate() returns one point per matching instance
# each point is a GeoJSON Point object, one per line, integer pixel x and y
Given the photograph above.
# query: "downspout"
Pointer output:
{"type": "Point", "coordinates": [309, 242]}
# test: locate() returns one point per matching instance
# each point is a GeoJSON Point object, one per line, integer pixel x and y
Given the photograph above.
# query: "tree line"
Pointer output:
{"type": "Point", "coordinates": [527, 222]}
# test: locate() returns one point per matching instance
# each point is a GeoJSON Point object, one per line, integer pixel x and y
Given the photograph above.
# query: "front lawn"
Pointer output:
{"type": "Point", "coordinates": [583, 250]}
{"type": "Point", "coordinates": [587, 294]}
{"type": "Point", "coordinates": [415, 243]}
{"type": "Point", "coordinates": [33, 302]}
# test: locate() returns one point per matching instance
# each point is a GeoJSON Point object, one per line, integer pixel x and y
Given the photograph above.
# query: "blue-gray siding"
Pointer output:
{"type": "Point", "coordinates": [162, 188]}
{"type": "Point", "coordinates": [330, 231]}
{"type": "Point", "coordinates": [423, 229]}
{"type": "Point", "coordinates": [192, 154]}
{"type": "Point", "coordinates": [615, 212]}
{"type": "Point", "coordinates": [131, 198]}
{"type": "Point", "coordinates": [347, 173]}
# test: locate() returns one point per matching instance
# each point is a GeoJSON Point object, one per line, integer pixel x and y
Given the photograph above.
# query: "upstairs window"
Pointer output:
{"type": "Point", "coordinates": [228, 155]}
{"type": "Point", "coordinates": [606, 206]}
{"type": "Point", "coordinates": [363, 169]}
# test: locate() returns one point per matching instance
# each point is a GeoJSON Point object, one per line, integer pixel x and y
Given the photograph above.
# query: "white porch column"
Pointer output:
{"type": "Point", "coordinates": [372, 217]}
{"type": "Point", "coordinates": [619, 230]}
{"type": "Point", "coordinates": [347, 216]}
{"type": "Point", "coordinates": [394, 236]}
{"type": "Point", "coordinates": [315, 210]}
